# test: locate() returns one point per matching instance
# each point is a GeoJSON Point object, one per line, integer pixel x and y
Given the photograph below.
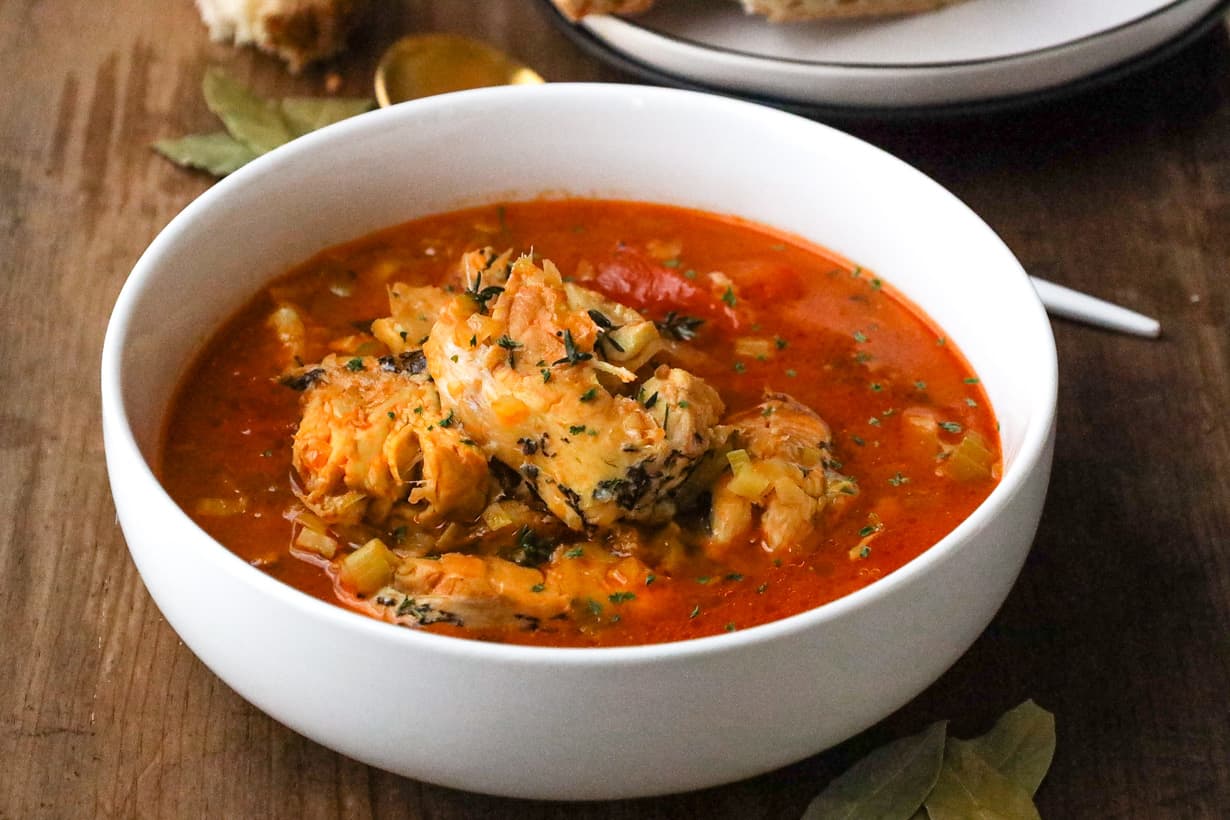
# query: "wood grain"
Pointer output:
{"type": "Point", "coordinates": [1119, 623]}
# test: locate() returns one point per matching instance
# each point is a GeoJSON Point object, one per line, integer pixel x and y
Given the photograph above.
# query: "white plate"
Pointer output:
{"type": "Point", "coordinates": [974, 51]}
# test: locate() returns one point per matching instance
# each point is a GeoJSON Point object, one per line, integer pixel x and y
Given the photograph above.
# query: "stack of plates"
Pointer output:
{"type": "Point", "coordinates": [971, 55]}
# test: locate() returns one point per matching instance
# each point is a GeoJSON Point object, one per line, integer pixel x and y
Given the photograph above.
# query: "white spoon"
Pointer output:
{"type": "Point", "coordinates": [1072, 304]}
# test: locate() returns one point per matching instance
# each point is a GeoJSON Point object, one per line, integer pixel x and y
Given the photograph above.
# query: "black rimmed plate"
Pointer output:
{"type": "Point", "coordinates": [974, 56]}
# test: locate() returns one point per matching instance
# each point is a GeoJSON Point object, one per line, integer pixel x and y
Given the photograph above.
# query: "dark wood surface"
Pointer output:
{"type": "Point", "coordinates": [1120, 623]}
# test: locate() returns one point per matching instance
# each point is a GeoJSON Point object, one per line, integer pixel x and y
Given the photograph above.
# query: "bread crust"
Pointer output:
{"type": "Point", "coordinates": [298, 31]}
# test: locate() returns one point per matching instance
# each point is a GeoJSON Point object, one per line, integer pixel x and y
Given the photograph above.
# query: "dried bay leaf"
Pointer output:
{"type": "Point", "coordinates": [218, 153]}
{"type": "Point", "coordinates": [306, 114]}
{"type": "Point", "coordinates": [1020, 745]}
{"type": "Point", "coordinates": [970, 788]}
{"type": "Point", "coordinates": [253, 120]}
{"type": "Point", "coordinates": [891, 783]}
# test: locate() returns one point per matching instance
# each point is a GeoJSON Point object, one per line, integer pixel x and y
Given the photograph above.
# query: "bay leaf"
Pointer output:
{"type": "Point", "coordinates": [218, 153]}
{"type": "Point", "coordinates": [253, 120]}
{"type": "Point", "coordinates": [891, 783]}
{"type": "Point", "coordinates": [1020, 745]}
{"type": "Point", "coordinates": [970, 788]}
{"type": "Point", "coordinates": [306, 114]}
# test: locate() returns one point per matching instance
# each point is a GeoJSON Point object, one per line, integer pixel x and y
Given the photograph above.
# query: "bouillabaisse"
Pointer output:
{"type": "Point", "coordinates": [579, 422]}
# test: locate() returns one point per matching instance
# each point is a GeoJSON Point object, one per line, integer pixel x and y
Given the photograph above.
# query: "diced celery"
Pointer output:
{"type": "Point", "coordinates": [368, 568]}
{"type": "Point", "coordinates": [739, 460]}
{"type": "Point", "coordinates": [316, 542]}
{"type": "Point", "coordinates": [754, 347]}
{"type": "Point", "coordinates": [496, 517]}
{"type": "Point", "coordinates": [221, 507]}
{"type": "Point", "coordinates": [972, 460]}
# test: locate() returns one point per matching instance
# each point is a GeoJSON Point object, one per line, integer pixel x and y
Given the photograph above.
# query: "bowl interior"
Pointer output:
{"type": "Point", "coordinates": [623, 142]}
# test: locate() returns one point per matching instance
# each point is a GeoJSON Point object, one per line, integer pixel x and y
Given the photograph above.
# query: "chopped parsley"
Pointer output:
{"type": "Point", "coordinates": [729, 296]}
{"type": "Point", "coordinates": [950, 427]}
{"type": "Point", "coordinates": [620, 597]}
{"type": "Point", "coordinates": [695, 611]}
{"type": "Point", "coordinates": [354, 364]}
{"type": "Point", "coordinates": [576, 429]}
{"type": "Point", "coordinates": [590, 394]}
{"type": "Point", "coordinates": [447, 421]}
{"type": "Point", "coordinates": [898, 479]}
{"type": "Point", "coordinates": [575, 552]}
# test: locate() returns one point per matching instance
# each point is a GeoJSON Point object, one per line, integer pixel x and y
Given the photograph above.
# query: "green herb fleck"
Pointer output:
{"type": "Point", "coordinates": [898, 479]}
{"type": "Point", "coordinates": [620, 597]}
{"type": "Point", "coordinates": [950, 427]}
{"type": "Point", "coordinates": [860, 336]}
{"type": "Point", "coordinates": [780, 342]}
{"type": "Point", "coordinates": [740, 367]}
{"type": "Point", "coordinates": [729, 296]}
{"type": "Point", "coordinates": [791, 373]}
{"type": "Point", "coordinates": [354, 365]}
{"type": "Point", "coordinates": [590, 394]}
{"type": "Point", "coordinates": [695, 611]}
{"type": "Point", "coordinates": [576, 429]}
{"type": "Point", "coordinates": [575, 552]}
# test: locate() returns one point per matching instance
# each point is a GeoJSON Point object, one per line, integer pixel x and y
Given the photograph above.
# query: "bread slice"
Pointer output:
{"type": "Point", "coordinates": [783, 11]}
{"type": "Point", "coordinates": [298, 31]}
{"type": "Point", "coordinates": [576, 9]}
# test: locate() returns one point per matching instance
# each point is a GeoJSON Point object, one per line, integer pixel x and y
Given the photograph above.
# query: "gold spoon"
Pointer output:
{"type": "Point", "coordinates": [425, 64]}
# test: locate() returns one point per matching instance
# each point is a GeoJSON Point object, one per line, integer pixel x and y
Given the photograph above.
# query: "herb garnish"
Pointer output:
{"type": "Point", "coordinates": [511, 345]}
{"type": "Point", "coordinates": [482, 295]}
{"type": "Point", "coordinates": [729, 296]}
{"type": "Point", "coordinates": [355, 364]}
{"type": "Point", "coordinates": [590, 394]}
{"type": "Point", "coordinates": [571, 354]}
{"type": "Point", "coordinates": [679, 326]}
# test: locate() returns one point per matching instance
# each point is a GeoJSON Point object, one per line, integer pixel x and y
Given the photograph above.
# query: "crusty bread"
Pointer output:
{"type": "Point", "coordinates": [782, 11]}
{"type": "Point", "coordinates": [576, 9]}
{"type": "Point", "coordinates": [298, 31]}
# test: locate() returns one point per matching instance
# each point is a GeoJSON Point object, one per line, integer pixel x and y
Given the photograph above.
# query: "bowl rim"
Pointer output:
{"type": "Point", "coordinates": [142, 480]}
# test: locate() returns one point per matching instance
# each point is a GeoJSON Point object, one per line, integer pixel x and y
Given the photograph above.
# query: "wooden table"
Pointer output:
{"type": "Point", "coordinates": [1120, 623]}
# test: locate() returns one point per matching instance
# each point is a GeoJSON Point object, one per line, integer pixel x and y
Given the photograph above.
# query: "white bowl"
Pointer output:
{"type": "Point", "coordinates": [577, 723]}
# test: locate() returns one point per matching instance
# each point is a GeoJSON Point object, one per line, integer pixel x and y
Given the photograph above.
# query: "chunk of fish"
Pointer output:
{"type": "Point", "coordinates": [373, 433]}
{"type": "Point", "coordinates": [522, 367]}
{"type": "Point", "coordinates": [789, 448]}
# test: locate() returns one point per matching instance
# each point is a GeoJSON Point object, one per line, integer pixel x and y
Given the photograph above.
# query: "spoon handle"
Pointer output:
{"type": "Point", "coordinates": [1072, 304]}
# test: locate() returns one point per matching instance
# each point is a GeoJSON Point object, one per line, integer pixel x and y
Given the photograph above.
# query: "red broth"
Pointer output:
{"type": "Point", "coordinates": [843, 343]}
